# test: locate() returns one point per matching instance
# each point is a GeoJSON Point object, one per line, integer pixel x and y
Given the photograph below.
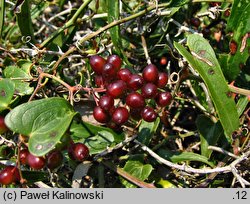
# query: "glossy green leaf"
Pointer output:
{"type": "Point", "coordinates": [43, 121]}
{"type": "Point", "coordinates": [209, 133]}
{"type": "Point", "coordinates": [138, 170]}
{"type": "Point", "coordinates": [239, 24]}
{"type": "Point", "coordinates": [7, 89]}
{"type": "Point", "coordinates": [2, 12]}
{"type": "Point", "coordinates": [84, 130]}
{"type": "Point", "coordinates": [177, 157]}
{"type": "Point", "coordinates": [19, 76]}
{"type": "Point", "coordinates": [24, 20]}
{"type": "Point", "coordinates": [204, 61]}
{"type": "Point", "coordinates": [242, 104]}
{"type": "Point", "coordinates": [99, 142]}
{"type": "Point", "coordinates": [147, 130]}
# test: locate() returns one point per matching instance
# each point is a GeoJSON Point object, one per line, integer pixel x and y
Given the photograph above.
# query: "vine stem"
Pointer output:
{"type": "Point", "coordinates": [108, 26]}
{"type": "Point", "coordinates": [239, 90]}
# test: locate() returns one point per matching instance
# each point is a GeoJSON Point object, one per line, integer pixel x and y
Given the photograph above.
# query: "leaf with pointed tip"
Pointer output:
{"type": "Point", "coordinates": [204, 61]}
{"type": "Point", "coordinates": [43, 121]}
{"type": "Point", "coordinates": [7, 89]}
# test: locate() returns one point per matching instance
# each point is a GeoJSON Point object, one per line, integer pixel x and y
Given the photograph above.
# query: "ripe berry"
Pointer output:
{"type": "Point", "coordinates": [149, 90]}
{"type": "Point", "coordinates": [135, 100]}
{"type": "Point", "coordinates": [135, 82]}
{"type": "Point", "coordinates": [148, 114]}
{"type": "Point", "coordinates": [108, 72]}
{"type": "Point", "coordinates": [99, 81]}
{"type": "Point", "coordinates": [35, 162]}
{"type": "Point", "coordinates": [97, 63]}
{"type": "Point", "coordinates": [163, 99]}
{"type": "Point", "coordinates": [116, 89]}
{"type": "Point", "coordinates": [100, 115]}
{"type": "Point", "coordinates": [115, 61]}
{"type": "Point", "coordinates": [124, 75]}
{"type": "Point", "coordinates": [54, 159]}
{"type": "Point", "coordinates": [106, 102]}
{"type": "Point", "coordinates": [23, 156]}
{"type": "Point", "coordinates": [162, 80]}
{"type": "Point", "coordinates": [135, 113]}
{"type": "Point", "coordinates": [3, 127]}
{"type": "Point", "coordinates": [120, 116]}
{"type": "Point", "coordinates": [78, 152]}
{"type": "Point", "coordinates": [150, 73]}
{"type": "Point", "coordinates": [8, 175]}
{"type": "Point", "coordinates": [195, 22]}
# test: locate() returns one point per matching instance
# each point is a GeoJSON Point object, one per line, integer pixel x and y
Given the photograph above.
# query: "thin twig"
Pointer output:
{"type": "Point", "coordinates": [219, 149]}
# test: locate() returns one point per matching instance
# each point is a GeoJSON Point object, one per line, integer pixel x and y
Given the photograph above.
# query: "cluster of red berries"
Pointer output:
{"type": "Point", "coordinates": [133, 89]}
{"type": "Point", "coordinates": [10, 174]}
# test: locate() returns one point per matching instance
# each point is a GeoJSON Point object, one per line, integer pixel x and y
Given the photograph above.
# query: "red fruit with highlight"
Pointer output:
{"type": "Point", "coordinates": [78, 152]}
{"type": "Point", "coordinates": [150, 73]}
{"type": "Point", "coordinates": [120, 115]}
{"type": "Point", "coordinates": [97, 63]}
{"type": "Point", "coordinates": [116, 89]}
{"type": "Point", "coordinates": [35, 162]}
{"type": "Point", "coordinates": [100, 115]}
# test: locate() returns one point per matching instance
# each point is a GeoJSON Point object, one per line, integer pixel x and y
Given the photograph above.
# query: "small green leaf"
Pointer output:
{"type": "Point", "coordinates": [19, 76]}
{"type": "Point", "coordinates": [7, 89]}
{"type": "Point", "coordinates": [183, 156]}
{"type": "Point", "coordinates": [209, 133]}
{"type": "Point", "coordinates": [239, 24]}
{"type": "Point", "coordinates": [2, 12]}
{"type": "Point", "coordinates": [44, 121]}
{"type": "Point", "coordinates": [242, 104]}
{"type": "Point", "coordinates": [99, 142]}
{"type": "Point", "coordinates": [147, 130]}
{"type": "Point", "coordinates": [204, 61]}
{"type": "Point", "coordinates": [138, 170]}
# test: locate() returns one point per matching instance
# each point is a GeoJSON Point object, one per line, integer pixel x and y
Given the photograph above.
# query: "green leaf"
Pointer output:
{"type": "Point", "coordinates": [204, 61]}
{"type": "Point", "coordinates": [239, 24]}
{"type": "Point", "coordinates": [177, 157]}
{"type": "Point", "coordinates": [7, 89]}
{"type": "Point", "coordinates": [2, 12]}
{"type": "Point", "coordinates": [24, 20]}
{"type": "Point", "coordinates": [43, 121]}
{"type": "Point", "coordinates": [209, 133]}
{"type": "Point", "coordinates": [99, 142]}
{"type": "Point", "coordinates": [18, 76]}
{"type": "Point", "coordinates": [138, 170]}
{"type": "Point", "coordinates": [242, 104]}
{"type": "Point", "coordinates": [147, 130]}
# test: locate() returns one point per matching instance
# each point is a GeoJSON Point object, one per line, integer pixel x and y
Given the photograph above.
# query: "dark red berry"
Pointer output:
{"type": "Point", "coordinates": [106, 102]}
{"type": "Point", "coordinates": [114, 126]}
{"type": "Point", "coordinates": [97, 63]}
{"type": "Point", "coordinates": [150, 73]}
{"type": "Point", "coordinates": [162, 80]}
{"type": "Point", "coordinates": [120, 115]}
{"type": "Point", "coordinates": [135, 113]}
{"type": "Point", "coordinates": [99, 81]}
{"type": "Point", "coordinates": [35, 162]}
{"type": "Point", "coordinates": [135, 100]}
{"type": "Point", "coordinates": [8, 175]}
{"type": "Point", "coordinates": [116, 89]}
{"type": "Point", "coordinates": [100, 115]}
{"type": "Point", "coordinates": [233, 47]}
{"type": "Point", "coordinates": [108, 72]}
{"type": "Point", "coordinates": [195, 22]}
{"type": "Point", "coordinates": [163, 99]}
{"type": "Point", "coordinates": [135, 82]}
{"type": "Point", "coordinates": [124, 75]}
{"type": "Point", "coordinates": [3, 127]}
{"type": "Point", "coordinates": [78, 152]}
{"type": "Point", "coordinates": [23, 156]}
{"type": "Point", "coordinates": [163, 61]}
{"type": "Point", "coordinates": [149, 90]}
{"type": "Point", "coordinates": [148, 114]}
{"type": "Point", "coordinates": [115, 61]}
{"type": "Point", "coordinates": [54, 159]}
